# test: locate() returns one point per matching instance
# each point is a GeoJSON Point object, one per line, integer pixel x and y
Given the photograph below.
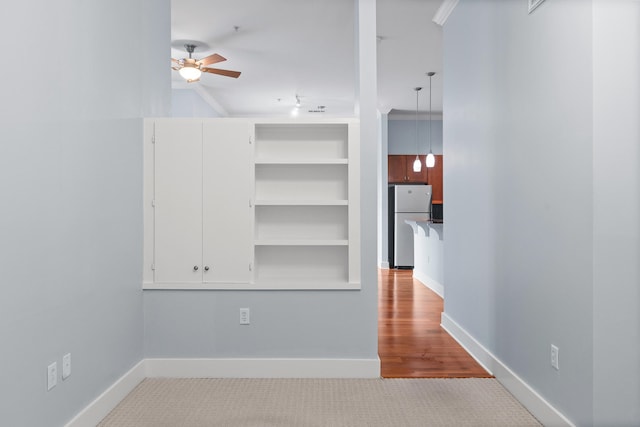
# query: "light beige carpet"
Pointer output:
{"type": "Point", "coordinates": [319, 402]}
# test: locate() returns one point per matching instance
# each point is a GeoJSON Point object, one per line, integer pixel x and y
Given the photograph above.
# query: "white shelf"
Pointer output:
{"type": "Point", "coordinates": [301, 161]}
{"type": "Point", "coordinates": [304, 182]}
{"type": "Point", "coordinates": [265, 285]}
{"type": "Point", "coordinates": [304, 284]}
{"type": "Point", "coordinates": [306, 141]}
{"type": "Point", "coordinates": [301, 242]}
{"type": "Point", "coordinates": [286, 264]}
{"type": "Point", "coordinates": [296, 202]}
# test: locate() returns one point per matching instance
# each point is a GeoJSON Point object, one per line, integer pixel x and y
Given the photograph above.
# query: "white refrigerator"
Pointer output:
{"type": "Point", "coordinates": [406, 202]}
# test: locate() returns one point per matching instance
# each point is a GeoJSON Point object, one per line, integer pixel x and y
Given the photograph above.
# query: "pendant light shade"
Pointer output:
{"type": "Point", "coordinates": [430, 161]}
{"type": "Point", "coordinates": [417, 164]}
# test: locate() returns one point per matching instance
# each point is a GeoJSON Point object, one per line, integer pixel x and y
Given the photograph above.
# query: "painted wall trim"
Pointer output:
{"type": "Point", "coordinates": [221, 368]}
{"type": "Point", "coordinates": [523, 392]}
{"type": "Point", "coordinates": [263, 368]}
{"type": "Point", "coordinates": [206, 97]}
{"type": "Point", "coordinates": [443, 12]}
{"type": "Point", "coordinates": [103, 404]}
{"type": "Point", "coordinates": [430, 283]}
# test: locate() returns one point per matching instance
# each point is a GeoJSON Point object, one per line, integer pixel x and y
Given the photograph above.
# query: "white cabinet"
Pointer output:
{"type": "Point", "coordinates": [200, 203]}
{"type": "Point", "coordinates": [178, 202]}
{"type": "Point", "coordinates": [306, 205]}
{"type": "Point", "coordinates": [248, 204]}
{"type": "Point", "coordinates": [227, 218]}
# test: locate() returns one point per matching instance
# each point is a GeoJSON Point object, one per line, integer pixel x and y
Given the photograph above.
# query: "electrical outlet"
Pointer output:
{"type": "Point", "coordinates": [244, 316]}
{"type": "Point", "coordinates": [555, 357]}
{"type": "Point", "coordinates": [66, 366]}
{"type": "Point", "coordinates": [52, 375]}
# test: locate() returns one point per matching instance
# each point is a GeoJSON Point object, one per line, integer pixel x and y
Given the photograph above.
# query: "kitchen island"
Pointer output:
{"type": "Point", "coordinates": [428, 250]}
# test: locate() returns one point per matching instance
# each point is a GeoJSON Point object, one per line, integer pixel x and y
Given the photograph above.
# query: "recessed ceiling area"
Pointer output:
{"type": "Point", "coordinates": [285, 48]}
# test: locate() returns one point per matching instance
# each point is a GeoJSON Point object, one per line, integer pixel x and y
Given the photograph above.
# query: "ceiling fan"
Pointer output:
{"type": "Point", "coordinates": [191, 69]}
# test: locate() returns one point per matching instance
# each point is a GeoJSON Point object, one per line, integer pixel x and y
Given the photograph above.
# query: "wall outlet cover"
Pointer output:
{"type": "Point", "coordinates": [52, 375]}
{"type": "Point", "coordinates": [555, 362]}
{"type": "Point", "coordinates": [244, 316]}
{"type": "Point", "coordinates": [66, 366]}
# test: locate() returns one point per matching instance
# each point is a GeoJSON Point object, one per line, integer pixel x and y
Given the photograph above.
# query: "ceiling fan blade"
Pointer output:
{"type": "Point", "coordinates": [175, 60]}
{"type": "Point", "coordinates": [228, 73]}
{"type": "Point", "coordinates": [212, 59]}
{"type": "Point", "coordinates": [175, 68]}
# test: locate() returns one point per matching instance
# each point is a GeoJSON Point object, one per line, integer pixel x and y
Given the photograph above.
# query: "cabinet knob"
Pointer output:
{"type": "Point", "coordinates": [206, 268]}
{"type": "Point", "coordinates": [195, 268]}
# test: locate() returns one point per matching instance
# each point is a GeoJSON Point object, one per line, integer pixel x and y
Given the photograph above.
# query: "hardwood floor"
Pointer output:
{"type": "Point", "coordinates": [411, 343]}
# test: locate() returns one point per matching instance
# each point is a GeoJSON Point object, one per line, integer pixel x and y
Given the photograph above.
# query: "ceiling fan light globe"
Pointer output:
{"type": "Point", "coordinates": [430, 160]}
{"type": "Point", "coordinates": [190, 74]}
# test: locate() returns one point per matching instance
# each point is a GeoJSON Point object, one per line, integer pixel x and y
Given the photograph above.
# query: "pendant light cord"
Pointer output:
{"type": "Point", "coordinates": [417, 149]}
{"type": "Point", "coordinates": [430, 113]}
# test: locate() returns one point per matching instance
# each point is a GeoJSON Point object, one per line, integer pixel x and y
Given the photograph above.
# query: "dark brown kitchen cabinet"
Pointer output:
{"type": "Point", "coordinates": [400, 170]}
{"type": "Point", "coordinates": [434, 178]}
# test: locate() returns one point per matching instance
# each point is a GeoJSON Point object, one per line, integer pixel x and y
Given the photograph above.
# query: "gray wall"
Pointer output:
{"type": "Point", "coordinates": [402, 136]}
{"type": "Point", "coordinates": [70, 182]}
{"type": "Point", "coordinates": [188, 103]}
{"type": "Point", "coordinates": [519, 185]}
{"type": "Point", "coordinates": [285, 324]}
{"type": "Point", "coordinates": [543, 199]}
{"type": "Point", "coordinates": [616, 232]}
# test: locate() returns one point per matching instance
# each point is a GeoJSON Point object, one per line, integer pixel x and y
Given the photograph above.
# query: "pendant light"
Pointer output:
{"type": "Point", "coordinates": [430, 161]}
{"type": "Point", "coordinates": [417, 164]}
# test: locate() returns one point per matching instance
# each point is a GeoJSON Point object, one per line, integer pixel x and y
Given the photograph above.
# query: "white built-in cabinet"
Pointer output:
{"type": "Point", "coordinates": [251, 204]}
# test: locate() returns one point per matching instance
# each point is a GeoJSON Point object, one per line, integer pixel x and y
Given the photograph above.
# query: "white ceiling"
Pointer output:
{"type": "Point", "coordinates": [307, 47]}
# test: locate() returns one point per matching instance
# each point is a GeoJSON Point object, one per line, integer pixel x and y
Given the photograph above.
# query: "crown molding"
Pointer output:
{"type": "Point", "coordinates": [444, 11]}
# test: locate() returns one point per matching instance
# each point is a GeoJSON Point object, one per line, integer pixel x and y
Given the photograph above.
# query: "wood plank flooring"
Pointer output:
{"type": "Point", "coordinates": [411, 342]}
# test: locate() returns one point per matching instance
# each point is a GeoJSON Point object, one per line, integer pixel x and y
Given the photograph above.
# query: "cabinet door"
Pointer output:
{"type": "Point", "coordinates": [178, 201]}
{"type": "Point", "coordinates": [397, 169]}
{"type": "Point", "coordinates": [434, 178]}
{"type": "Point", "coordinates": [226, 212]}
{"type": "Point", "coordinates": [415, 177]}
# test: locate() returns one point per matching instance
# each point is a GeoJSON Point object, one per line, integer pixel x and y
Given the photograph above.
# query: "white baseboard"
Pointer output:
{"type": "Point", "coordinates": [527, 396]}
{"type": "Point", "coordinates": [221, 368]}
{"type": "Point", "coordinates": [384, 265]}
{"type": "Point", "coordinates": [103, 404]}
{"type": "Point", "coordinates": [263, 368]}
{"type": "Point", "coordinates": [434, 285]}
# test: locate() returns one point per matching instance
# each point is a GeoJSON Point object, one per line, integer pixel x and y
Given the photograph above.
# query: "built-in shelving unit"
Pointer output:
{"type": "Point", "coordinates": [304, 177]}
{"type": "Point", "coordinates": [251, 204]}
